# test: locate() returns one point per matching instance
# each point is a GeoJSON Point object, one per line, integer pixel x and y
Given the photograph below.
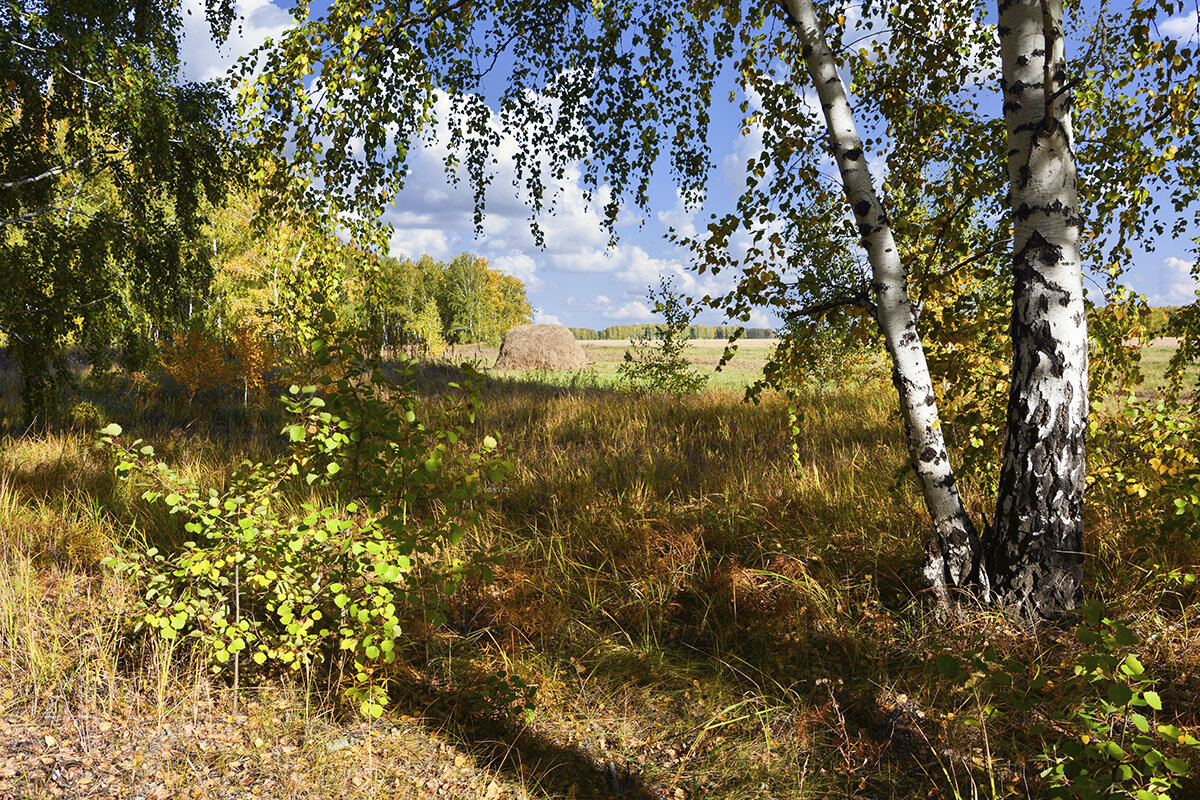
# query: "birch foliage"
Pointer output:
{"type": "Point", "coordinates": [108, 162]}
{"type": "Point", "coordinates": [883, 136]}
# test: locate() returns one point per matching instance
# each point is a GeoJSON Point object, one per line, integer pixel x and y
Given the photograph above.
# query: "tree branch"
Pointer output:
{"type": "Point", "coordinates": [855, 300]}
{"type": "Point", "coordinates": [50, 173]}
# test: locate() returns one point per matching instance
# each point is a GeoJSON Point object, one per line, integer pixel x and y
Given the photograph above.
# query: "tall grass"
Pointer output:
{"type": "Point", "coordinates": [700, 610]}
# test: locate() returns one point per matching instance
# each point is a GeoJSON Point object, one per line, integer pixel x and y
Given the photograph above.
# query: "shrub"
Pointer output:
{"type": "Point", "coordinates": [254, 358]}
{"type": "Point", "coordinates": [86, 416]}
{"type": "Point", "coordinates": [1093, 716]}
{"type": "Point", "coordinates": [325, 587]}
{"type": "Point", "coordinates": [658, 363]}
{"type": "Point", "coordinates": [1151, 451]}
{"type": "Point", "coordinates": [197, 362]}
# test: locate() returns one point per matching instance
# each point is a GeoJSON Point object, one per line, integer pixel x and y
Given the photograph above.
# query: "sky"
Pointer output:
{"type": "Point", "coordinates": [576, 279]}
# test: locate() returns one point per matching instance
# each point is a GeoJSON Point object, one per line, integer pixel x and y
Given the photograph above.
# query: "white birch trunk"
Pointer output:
{"type": "Point", "coordinates": [1033, 551]}
{"type": "Point", "coordinates": [954, 561]}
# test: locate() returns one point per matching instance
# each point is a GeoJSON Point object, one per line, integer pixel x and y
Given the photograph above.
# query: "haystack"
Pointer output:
{"type": "Point", "coordinates": [541, 347]}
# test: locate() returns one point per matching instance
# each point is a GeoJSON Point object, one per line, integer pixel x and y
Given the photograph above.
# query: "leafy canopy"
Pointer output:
{"type": "Point", "coordinates": [624, 89]}
{"type": "Point", "coordinates": [107, 165]}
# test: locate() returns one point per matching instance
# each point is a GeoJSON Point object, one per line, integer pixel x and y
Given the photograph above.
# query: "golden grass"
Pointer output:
{"type": "Point", "coordinates": [703, 617]}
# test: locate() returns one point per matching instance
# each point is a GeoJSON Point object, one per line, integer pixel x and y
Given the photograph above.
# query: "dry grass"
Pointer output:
{"type": "Point", "coordinates": [703, 617]}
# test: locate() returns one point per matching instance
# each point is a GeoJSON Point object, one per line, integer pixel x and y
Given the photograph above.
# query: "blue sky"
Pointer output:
{"type": "Point", "coordinates": [576, 279]}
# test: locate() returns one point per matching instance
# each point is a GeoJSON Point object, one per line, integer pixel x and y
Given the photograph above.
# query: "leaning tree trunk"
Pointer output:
{"type": "Point", "coordinates": [1033, 551]}
{"type": "Point", "coordinates": [954, 562]}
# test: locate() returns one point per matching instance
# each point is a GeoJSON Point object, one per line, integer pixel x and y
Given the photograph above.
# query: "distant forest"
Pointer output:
{"type": "Point", "coordinates": [693, 331]}
{"type": "Point", "coordinates": [1156, 319]}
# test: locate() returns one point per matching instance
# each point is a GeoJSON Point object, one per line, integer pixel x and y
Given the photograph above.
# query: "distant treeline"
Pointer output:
{"type": "Point", "coordinates": [693, 332]}
{"type": "Point", "coordinates": [1157, 320]}
{"type": "Point", "coordinates": [1160, 317]}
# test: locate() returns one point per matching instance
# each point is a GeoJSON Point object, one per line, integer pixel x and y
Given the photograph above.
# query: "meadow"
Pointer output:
{"type": "Point", "coordinates": [709, 604]}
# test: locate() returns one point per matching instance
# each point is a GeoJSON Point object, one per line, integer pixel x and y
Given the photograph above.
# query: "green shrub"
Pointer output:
{"type": "Point", "coordinates": [1151, 451]}
{"type": "Point", "coordinates": [658, 363]}
{"type": "Point", "coordinates": [322, 587]}
{"type": "Point", "coordinates": [1092, 718]}
{"type": "Point", "coordinates": [86, 416]}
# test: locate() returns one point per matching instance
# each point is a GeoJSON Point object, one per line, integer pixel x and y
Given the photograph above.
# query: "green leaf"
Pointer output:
{"type": "Point", "coordinates": [1153, 700]}
{"type": "Point", "coordinates": [1124, 636]}
{"type": "Point", "coordinates": [112, 429]}
{"type": "Point", "coordinates": [1119, 694]}
{"type": "Point", "coordinates": [1169, 732]}
{"type": "Point", "coordinates": [1132, 667]}
{"type": "Point", "coordinates": [948, 665]}
{"type": "Point", "coordinates": [1177, 765]}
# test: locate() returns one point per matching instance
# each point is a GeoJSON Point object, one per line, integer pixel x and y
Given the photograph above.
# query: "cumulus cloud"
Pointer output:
{"type": "Point", "coordinates": [1177, 283]}
{"type": "Point", "coordinates": [633, 311]}
{"type": "Point", "coordinates": [574, 236]}
{"type": "Point", "coordinates": [760, 319]}
{"type": "Point", "coordinates": [414, 242]}
{"type": "Point", "coordinates": [678, 219]}
{"type": "Point", "coordinates": [1185, 27]}
{"type": "Point", "coordinates": [204, 60]}
{"type": "Point", "coordinates": [542, 318]}
{"type": "Point", "coordinates": [520, 266]}
{"type": "Point", "coordinates": [434, 213]}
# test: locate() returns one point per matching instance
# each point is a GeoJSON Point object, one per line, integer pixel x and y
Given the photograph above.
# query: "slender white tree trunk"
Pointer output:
{"type": "Point", "coordinates": [954, 561]}
{"type": "Point", "coordinates": [1033, 551]}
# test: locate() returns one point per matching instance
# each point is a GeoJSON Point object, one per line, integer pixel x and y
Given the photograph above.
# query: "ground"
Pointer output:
{"type": "Point", "coordinates": [706, 612]}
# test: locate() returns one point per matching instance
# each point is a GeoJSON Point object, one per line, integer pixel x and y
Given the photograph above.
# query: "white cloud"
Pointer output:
{"type": "Point", "coordinates": [1177, 283]}
{"type": "Point", "coordinates": [877, 165]}
{"type": "Point", "coordinates": [434, 215]}
{"type": "Point", "coordinates": [575, 239]}
{"type": "Point", "coordinates": [633, 310]}
{"type": "Point", "coordinates": [584, 261]}
{"type": "Point", "coordinates": [415, 242]}
{"type": "Point", "coordinates": [542, 318]}
{"type": "Point", "coordinates": [203, 60]}
{"type": "Point", "coordinates": [760, 319]}
{"type": "Point", "coordinates": [1185, 27]}
{"type": "Point", "coordinates": [520, 266]}
{"type": "Point", "coordinates": [679, 218]}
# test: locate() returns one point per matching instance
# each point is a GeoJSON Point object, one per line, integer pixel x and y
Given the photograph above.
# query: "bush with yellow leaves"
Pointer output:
{"type": "Point", "coordinates": [254, 358]}
{"type": "Point", "coordinates": [1151, 450]}
{"type": "Point", "coordinates": [203, 363]}
{"type": "Point", "coordinates": [196, 360]}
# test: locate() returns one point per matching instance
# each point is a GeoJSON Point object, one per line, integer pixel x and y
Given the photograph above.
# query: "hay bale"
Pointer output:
{"type": "Point", "coordinates": [541, 347]}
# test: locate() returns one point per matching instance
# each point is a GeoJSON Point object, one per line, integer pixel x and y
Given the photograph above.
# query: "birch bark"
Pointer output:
{"type": "Point", "coordinates": [1033, 550]}
{"type": "Point", "coordinates": [954, 561]}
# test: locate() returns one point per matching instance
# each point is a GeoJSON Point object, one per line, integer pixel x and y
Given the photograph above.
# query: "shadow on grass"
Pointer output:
{"type": "Point", "coordinates": [508, 747]}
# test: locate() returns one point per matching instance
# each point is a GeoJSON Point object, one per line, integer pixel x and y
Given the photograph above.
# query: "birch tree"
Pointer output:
{"type": "Point", "coordinates": [107, 160]}
{"type": "Point", "coordinates": [979, 194]}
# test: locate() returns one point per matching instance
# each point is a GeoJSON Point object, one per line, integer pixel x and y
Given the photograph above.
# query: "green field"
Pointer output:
{"type": "Point", "coordinates": [606, 356]}
{"type": "Point", "coordinates": [746, 366]}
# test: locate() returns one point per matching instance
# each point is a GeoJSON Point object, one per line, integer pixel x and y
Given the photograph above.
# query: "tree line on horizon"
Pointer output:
{"type": "Point", "coordinates": [613, 332]}
{"type": "Point", "coordinates": [1157, 318]}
